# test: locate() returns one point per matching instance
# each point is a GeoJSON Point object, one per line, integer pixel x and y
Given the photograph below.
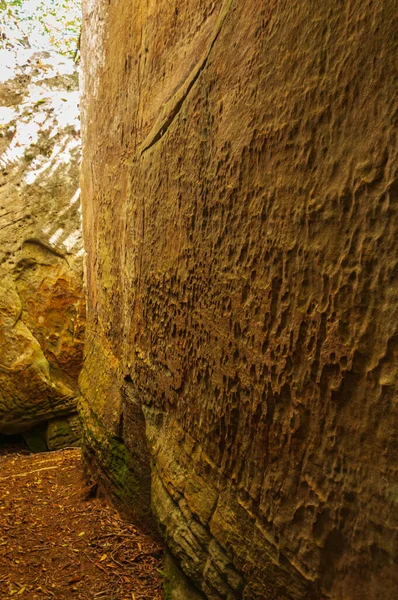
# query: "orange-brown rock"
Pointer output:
{"type": "Point", "coordinates": [240, 201]}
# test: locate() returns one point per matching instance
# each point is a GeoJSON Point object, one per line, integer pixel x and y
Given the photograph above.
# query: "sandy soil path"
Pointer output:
{"type": "Point", "coordinates": [58, 542]}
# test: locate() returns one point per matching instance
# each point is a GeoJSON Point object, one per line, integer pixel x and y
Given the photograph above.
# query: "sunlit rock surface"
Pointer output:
{"type": "Point", "coordinates": [42, 308]}
{"type": "Point", "coordinates": [240, 201]}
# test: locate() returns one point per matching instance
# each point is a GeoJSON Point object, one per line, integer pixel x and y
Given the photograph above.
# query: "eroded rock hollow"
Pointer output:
{"type": "Point", "coordinates": [240, 203]}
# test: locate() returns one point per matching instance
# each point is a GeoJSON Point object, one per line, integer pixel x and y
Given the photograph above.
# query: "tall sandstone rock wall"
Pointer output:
{"type": "Point", "coordinates": [240, 202]}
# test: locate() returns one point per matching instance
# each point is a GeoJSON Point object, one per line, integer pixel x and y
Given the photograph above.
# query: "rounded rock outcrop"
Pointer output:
{"type": "Point", "coordinates": [42, 305]}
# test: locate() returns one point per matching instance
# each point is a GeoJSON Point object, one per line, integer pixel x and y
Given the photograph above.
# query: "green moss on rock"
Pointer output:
{"type": "Point", "coordinates": [108, 456]}
{"type": "Point", "coordinates": [176, 585]}
{"type": "Point", "coordinates": [63, 432]}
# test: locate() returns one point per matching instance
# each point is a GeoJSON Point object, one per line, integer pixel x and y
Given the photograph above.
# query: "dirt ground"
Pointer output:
{"type": "Point", "coordinates": [58, 542]}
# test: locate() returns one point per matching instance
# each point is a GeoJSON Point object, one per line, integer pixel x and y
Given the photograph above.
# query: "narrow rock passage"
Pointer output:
{"type": "Point", "coordinates": [58, 542]}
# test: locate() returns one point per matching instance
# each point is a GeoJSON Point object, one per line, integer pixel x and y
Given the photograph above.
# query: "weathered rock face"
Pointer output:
{"type": "Point", "coordinates": [240, 202]}
{"type": "Point", "coordinates": [42, 306]}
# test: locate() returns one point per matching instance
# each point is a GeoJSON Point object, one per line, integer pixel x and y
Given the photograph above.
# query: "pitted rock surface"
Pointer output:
{"type": "Point", "coordinates": [42, 306]}
{"type": "Point", "coordinates": [240, 201]}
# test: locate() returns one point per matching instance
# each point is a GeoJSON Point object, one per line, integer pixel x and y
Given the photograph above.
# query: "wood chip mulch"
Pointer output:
{"type": "Point", "coordinates": [58, 543]}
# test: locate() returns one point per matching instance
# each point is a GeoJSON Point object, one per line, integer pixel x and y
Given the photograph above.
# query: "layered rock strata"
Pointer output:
{"type": "Point", "coordinates": [240, 204]}
{"type": "Point", "coordinates": [42, 304]}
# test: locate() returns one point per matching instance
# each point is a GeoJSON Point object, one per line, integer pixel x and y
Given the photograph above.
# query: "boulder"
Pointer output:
{"type": "Point", "coordinates": [63, 432]}
{"type": "Point", "coordinates": [42, 306]}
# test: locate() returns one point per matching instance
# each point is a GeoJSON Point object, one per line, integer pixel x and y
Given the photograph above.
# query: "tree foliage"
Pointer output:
{"type": "Point", "coordinates": [41, 24]}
